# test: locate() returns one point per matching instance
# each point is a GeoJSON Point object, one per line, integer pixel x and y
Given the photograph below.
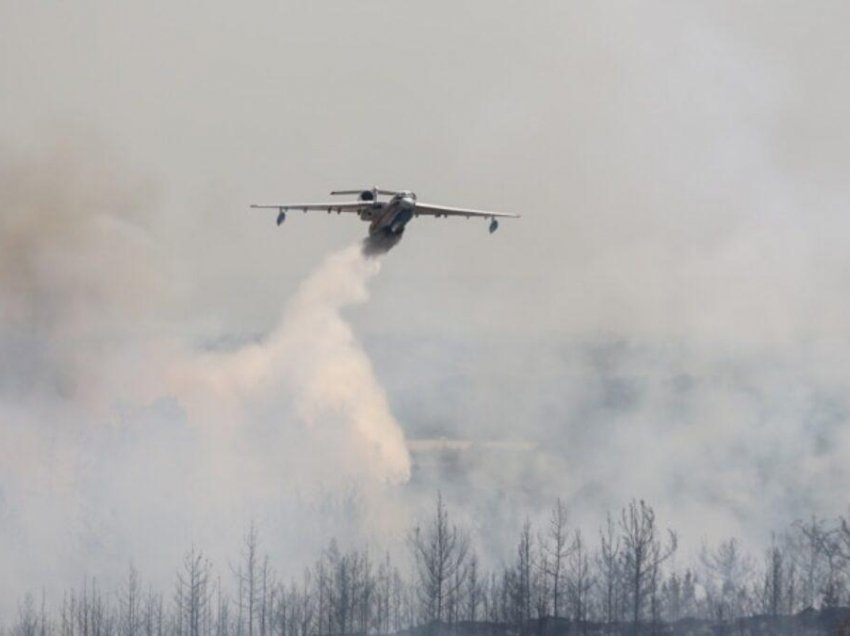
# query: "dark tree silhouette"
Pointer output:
{"type": "Point", "coordinates": [440, 553]}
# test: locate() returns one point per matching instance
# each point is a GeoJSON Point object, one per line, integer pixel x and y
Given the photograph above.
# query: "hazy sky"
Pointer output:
{"type": "Point", "coordinates": [668, 320]}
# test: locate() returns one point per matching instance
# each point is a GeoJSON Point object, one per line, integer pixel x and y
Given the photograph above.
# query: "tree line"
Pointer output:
{"type": "Point", "coordinates": [623, 574]}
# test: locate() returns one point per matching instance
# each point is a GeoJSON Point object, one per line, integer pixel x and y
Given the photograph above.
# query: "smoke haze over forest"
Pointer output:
{"type": "Point", "coordinates": [667, 321]}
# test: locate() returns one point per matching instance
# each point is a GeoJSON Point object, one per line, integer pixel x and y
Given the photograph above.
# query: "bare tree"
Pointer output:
{"type": "Point", "coordinates": [580, 580]}
{"type": "Point", "coordinates": [249, 581]}
{"type": "Point", "coordinates": [340, 590]}
{"type": "Point", "coordinates": [383, 594]}
{"type": "Point", "coordinates": [608, 564]}
{"type": "Point", "coordinates": [192, 593]}
{"type": "Point", "coordinates": [773, 586]}
{"type": "Point", "coordinates": [523, 574]}
{"type": "Point", "coordinates": [89, 612]}
{"type": "Point", "coordinates": [642, 554]}
{"type": "Point", "coordinates": [364, 590]}
{"type": "Point", "coordinates": [153, 618]}
{"type": "Point", "coordinates": [130, 621]}
{"type": "Point", "coordinates": [725, 573]}
{"type": "Point", "coordinates": [473, 594]}
{"type": "Point", "coordinates": [66, 617]}
{"type": "Point", "coordinates": [28, 622]}
{"type": "Point", "coordinates": [456, 599]}
{"type": "Point", "coordinates": [44, 626]}
{"type": "Point", "coordinates": [440, 554]}
{"type": "Point", "coordinates": [671, 597]}
{"type": "Point", "coordinates": [557, 549]}
{"type": "Point", "coordinates": [844, 537]}
{"type": "Point", "coordinates": [222, 612]}
{"type": "Point", "coordinates": [405, 603]}
{"type": "Point", "coordinates": [541, 582]}
{"type": "Point", "coordinates": [824, 581]}
{"type": "Point", "coordinates": [348, 594]}
{"type": "Point", "coordinates": [321, 595]}
{"type": "Point", "coordinates": [493, 610]}
{"type": "Point", "coordinates": [302, 607]}
{"type": "Point", "coordinates": [625, 582]}
{"type": "Point", "coordinates": [266, 585]}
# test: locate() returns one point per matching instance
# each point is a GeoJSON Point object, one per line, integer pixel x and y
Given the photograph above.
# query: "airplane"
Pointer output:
{"type": "Point", "coordinates": [387, 218]}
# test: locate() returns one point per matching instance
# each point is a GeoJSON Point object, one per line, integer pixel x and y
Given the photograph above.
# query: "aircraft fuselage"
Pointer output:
{"type": "Point", "coordinates": [391, 217]}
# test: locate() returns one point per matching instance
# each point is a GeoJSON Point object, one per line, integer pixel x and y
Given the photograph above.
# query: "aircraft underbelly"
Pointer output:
{"type": "Point", "coordinates": [400, 220]}
{"type": "Point", "coordinates": [393, 221]}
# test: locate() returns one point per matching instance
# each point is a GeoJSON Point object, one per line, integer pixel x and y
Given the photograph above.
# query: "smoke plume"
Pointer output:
{"type": "Point", "coordinates": [120, 440]}
{"type": "Point", "coordinates": [314, 359]}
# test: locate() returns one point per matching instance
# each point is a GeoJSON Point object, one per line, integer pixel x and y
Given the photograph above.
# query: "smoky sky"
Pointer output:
{"type": "Point", "coordinates": [668, 320]}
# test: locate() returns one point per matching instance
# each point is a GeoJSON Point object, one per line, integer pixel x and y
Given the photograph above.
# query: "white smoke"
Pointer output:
{"type": "Point", "coordinates": [313, 357]}
{"type": "Point", "coordinates": [120, 441]}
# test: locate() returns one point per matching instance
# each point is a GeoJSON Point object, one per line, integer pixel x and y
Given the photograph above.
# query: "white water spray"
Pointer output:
{"type": "Point", "coordinates": [314, 359]}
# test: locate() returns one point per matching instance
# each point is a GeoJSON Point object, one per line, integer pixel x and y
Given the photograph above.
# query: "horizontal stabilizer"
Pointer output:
{"type": "Point", "coordinates": [375, 190]}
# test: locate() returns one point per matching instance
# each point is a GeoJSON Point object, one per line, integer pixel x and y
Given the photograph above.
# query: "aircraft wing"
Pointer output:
{"type": "Point", "coordinates": [332, 206]}
{"type": "Point", "coordinates": [429, 209]}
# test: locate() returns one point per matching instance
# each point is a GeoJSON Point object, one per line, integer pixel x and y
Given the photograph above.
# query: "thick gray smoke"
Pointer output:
{"type": "Point", "coordinates": [668, 320]}
{"type": "Point", "coordinates": [118, 442]}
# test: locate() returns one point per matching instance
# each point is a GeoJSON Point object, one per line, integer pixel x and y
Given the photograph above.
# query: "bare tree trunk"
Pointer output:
{"type": "Point", "coordinates": [642, 553]}
{"type": "Point", "coordinates": [440, 554]}
{"type": "Point", "coordinates": [557, 549]}
{"type": "Point", "coordinates": [608, 563]}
